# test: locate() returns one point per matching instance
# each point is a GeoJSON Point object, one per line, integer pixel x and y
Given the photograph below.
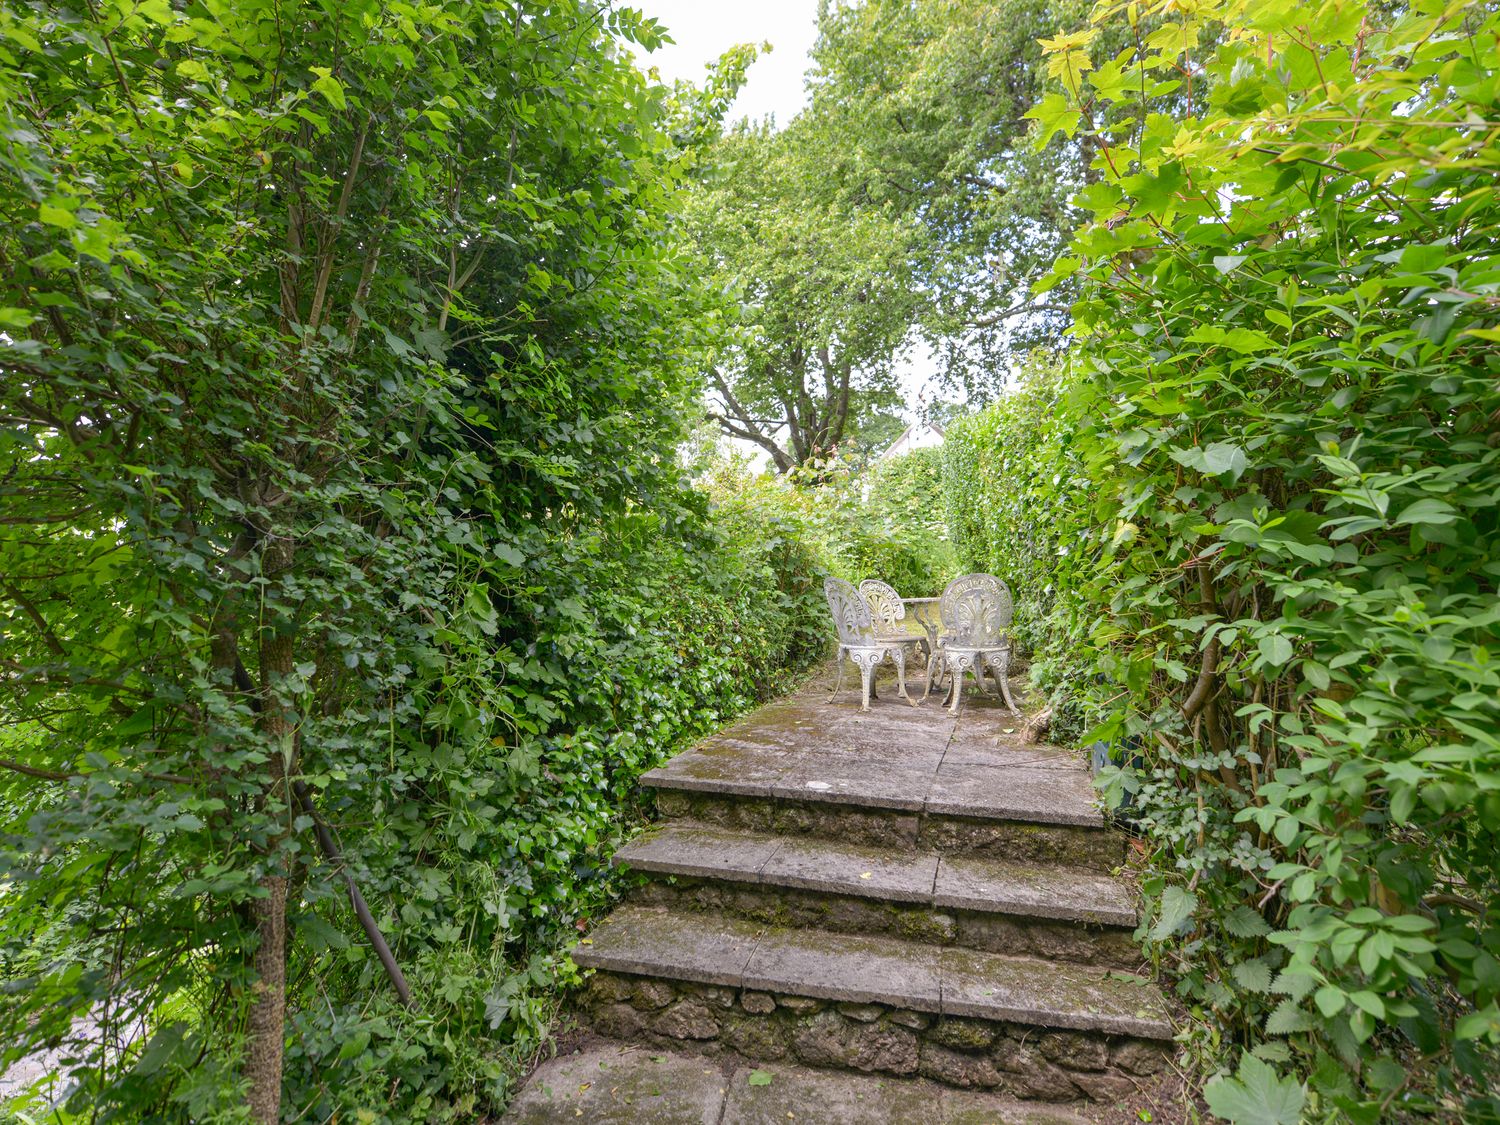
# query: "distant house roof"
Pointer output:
{"type": "Point", "coordinates": [919, 435]}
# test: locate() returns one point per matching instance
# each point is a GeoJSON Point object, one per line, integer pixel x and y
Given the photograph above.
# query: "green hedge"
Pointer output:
{"type": "Point", "coordinates": [1274, 476]}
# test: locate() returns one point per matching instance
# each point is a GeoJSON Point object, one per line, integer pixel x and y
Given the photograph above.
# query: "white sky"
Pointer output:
{"type": "Point", "coordinates": [705, 29]}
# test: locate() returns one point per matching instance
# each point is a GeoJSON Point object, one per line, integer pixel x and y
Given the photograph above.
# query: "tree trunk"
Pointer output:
{"type": "Point", "coordinates": [268, 1003]}
{"type": "Point", "coordinates": [267, 1022]}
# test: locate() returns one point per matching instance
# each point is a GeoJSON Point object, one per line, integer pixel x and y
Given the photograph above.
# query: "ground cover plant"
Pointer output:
{"type": "Point", "coordinates": [1279, 406]}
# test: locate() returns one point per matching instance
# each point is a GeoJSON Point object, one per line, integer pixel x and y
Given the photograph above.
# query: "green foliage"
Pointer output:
{"type": "Point", "coordinates": [346, 351]}
{"type": "Point", "coordinates": [819, 298]}
{"type": "Point", "coordinates": [833, 518]}
{"type": "Point", "coordinates": [1017, 492]}
{"type": "Point", "coordinates": [928, 100]}
{"type": "Point", "coordinates": [1256, 1096]}
{"type": "Point", "coordinates": [1283, 401]}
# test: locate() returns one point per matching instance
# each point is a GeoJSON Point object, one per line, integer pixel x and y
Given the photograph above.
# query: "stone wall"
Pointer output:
{"type": "Point", "coordinates": [892, 828]}
{"type": "Point", "coordinates": [1022, 1061]}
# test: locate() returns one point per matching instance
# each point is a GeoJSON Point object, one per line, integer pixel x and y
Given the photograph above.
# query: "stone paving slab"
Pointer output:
{"type": "Point", "coordinates": [799, 1094]}
{"type": "Point", "coordinates": [1004, 752]}
{"type": "Point", "coordinates": [738, 769]}
{"type": "Point", "coordinates": [995, 987]}
{"type": "Point", "coordinates": [1039, 796]}
{"type": "Point", "coordinates": [617, 1085]}
{"type": "Point", "coordinates": [648, 942]}
{"type": "Point", "coordinates": [701, 851]}
{"type": "Point", "coordinates": [845, 967]}
{"type": "Point", "coordinates": [818, 865]}
{"type": "Point", "coordinates": [1033, 890]}
{"type": "Point", "coordinates": [923, 759]}
{"type": "Point", "coordinates": [621, 1086]}
{"type": "Point", "coordinates": [847, 778]}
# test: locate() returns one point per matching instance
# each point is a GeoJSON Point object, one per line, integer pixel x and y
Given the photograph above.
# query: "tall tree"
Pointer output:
{"type": "Point", "coordinates": [930, 99]}
{"type": "Point", "coordinates": [820, 292]}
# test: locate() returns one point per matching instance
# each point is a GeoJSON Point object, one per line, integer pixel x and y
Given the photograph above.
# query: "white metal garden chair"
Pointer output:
{"type": "Point", "coordinates": [976, 611]}
{"type": "Point", "coordinates": [864, 644]}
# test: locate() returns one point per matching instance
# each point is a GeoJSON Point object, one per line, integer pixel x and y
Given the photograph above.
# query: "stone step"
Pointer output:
{"type": "Point", "coordinates": [1025, 1026]}
{"type": "Point", "coordinates": [903, 773]}
{"type": "Point", "coordinates": [894, 830]}
{"type": "Point", "coordinates": [903, 783]}
{"type": "Point", "coordinates": [614, 1085]}
{"type": "Point", "coordinates": [1003, 907]}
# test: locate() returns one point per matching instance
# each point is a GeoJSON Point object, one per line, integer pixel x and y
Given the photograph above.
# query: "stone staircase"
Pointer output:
{"type": "Point", "coordinates": [897, 893]}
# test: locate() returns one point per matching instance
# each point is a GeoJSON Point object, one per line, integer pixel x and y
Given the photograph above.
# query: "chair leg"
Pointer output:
{"type": "Point", "coordinates": [1002, 677]}
{"type": "Point", "coordinates": [932, 663]}
{"type": "Point", "coordinates": [898, 654]}
{"type": "Point", "coordinates": [867, 675]}
{"type": "Point", "coordinates": [839, 682]}
{"type": "Point", "coordinates": [956, 690]}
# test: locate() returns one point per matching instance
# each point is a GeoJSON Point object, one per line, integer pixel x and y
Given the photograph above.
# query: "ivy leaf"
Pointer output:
{"type": "Point", "coordinates": [1256, 1096]}
{"type": "Point", "coordinates": [759, 1078]}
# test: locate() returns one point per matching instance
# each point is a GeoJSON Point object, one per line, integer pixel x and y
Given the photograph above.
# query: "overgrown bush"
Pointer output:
{"type": "Point", "coordinates": [1016, 494]}
{"type": "Point", "coordinates": [885, 521]}
{"type": "Point", "coordinates": [345, 355]}
{"type": "Point", "coordinates": [1283, 397]}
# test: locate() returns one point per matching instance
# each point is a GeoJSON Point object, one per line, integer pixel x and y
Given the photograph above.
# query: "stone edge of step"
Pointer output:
{"type": "Point", "coordinates": [851, 794]}
{"type": "Point", "coordinates": [735, 972]}
{"type": "Point", "coordinates": [637, 856]}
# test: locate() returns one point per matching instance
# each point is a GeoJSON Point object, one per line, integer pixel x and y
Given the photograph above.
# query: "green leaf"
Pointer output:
{"type": "Point", "coordinates": [1287, 1018]}
{"type": "Point", "coordinates": [1426, 511]}
{"type": "Point", "coordinates": [1252, 976]}
{"type": "Point", "coordinates": [1484, 1023]}
{"type": "Point", "coordinates": [1330, 1000]}
{"type": "Point", "coordinates": [1246, 922]}
{"type": "Point", "coordinates": [329, 87]}
{"type": "Point", "coordinates": [193, 70]}
{"type": "Point", "coordinates": [355, 1045]}
{"type": "Point", "coordinates": [1053, 115]}
{"type": "Point", "coordinates": [759, 1078]}
{"type": "Point", "coordinates": [55, 216]}
{"type": "Point", "coordinates": [1256, 1096]}
{"type": "Point", "coordinates": [1177, 906]}
{"type": "Point", "coordinates": [1275, 648]}
{"type": "Point", "coordinates": [160, 1050]}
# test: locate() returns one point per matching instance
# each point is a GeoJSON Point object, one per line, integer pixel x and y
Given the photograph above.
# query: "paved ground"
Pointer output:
{"type": "Point", "coordinates": [619, 1085]}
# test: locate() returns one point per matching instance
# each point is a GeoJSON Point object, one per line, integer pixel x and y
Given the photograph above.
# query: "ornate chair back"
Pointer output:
{"type": "Point", "coordinates": [851, 616]}
{"type": "Point", "coordinates": [885, 604]}
{"type": "Point", "coordinates": [976, 611]}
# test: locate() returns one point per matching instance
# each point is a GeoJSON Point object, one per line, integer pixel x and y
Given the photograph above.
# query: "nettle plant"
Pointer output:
{"type": "Point", "coordinates": [1291, 305]}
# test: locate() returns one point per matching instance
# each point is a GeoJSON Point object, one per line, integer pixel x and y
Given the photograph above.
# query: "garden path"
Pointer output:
{"type": "Point", "coordinates": [892, 916]}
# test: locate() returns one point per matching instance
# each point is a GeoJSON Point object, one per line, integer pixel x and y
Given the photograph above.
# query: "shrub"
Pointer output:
{"type": "Point", "coordinates": [1285, 357]}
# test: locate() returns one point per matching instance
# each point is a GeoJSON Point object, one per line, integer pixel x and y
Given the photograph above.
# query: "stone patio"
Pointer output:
{"type": "Point", "coordinates": [910, 915]}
